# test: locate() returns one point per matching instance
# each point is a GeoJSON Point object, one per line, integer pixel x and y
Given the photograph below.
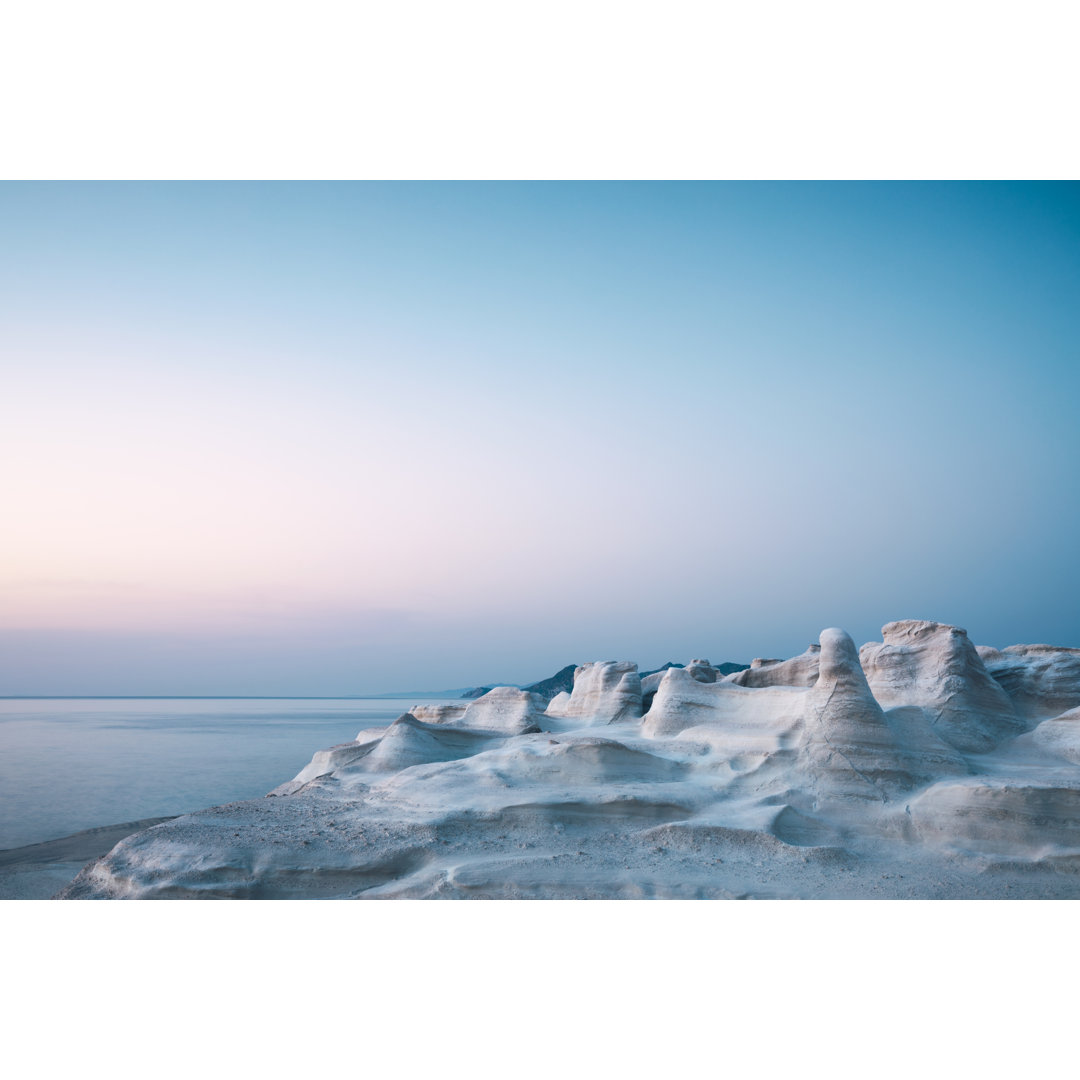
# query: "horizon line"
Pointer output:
{"type": "Point", "coordinates": [223, 697]}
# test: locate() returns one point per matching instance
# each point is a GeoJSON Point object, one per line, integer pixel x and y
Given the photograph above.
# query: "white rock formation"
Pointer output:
{"type": "Point", "coordinates": [440, 714]}
{"type": "Point", "coordinates": [1060, 736]}
{"type": "Point", "coordinates": [935, 667]}
{"type": "Point", "coordinates": [559, 704]}
{"type": "Point", "coordinates": [905, 774]}
{"type": "Point", "coordinates": [506, 709]}
{"type": "Point", "coordinates": [850, 750]}
{"type": "Point", "coordinates": [702, 671]}
{"type": "Point", "coordinates": [684, 704]}
{"type": "Point", "coordinates": [800, 670]}
{"type": "Point", "coordinates": [649, 685]}
{"type": "Point", "coordinates": [1042, 680]}
{"type": "Point", "coordinates": [604, 692]}
{"type": "Point", "coordinates": [1035, 821]}
{"type": "Point", "coordinates": [835, 734]}
{"type": "Point", "coordinates": [409, 742]}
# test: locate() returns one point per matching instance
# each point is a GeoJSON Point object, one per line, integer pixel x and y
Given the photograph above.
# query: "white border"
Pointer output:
{"type": "Point", "coordinates": [541, 989]}
{"type": "Point", "coordinates": [558, 90]}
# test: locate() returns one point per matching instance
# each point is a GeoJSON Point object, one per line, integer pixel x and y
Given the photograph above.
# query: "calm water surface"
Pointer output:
{"type": "Point", "coordinates": [72, 764]}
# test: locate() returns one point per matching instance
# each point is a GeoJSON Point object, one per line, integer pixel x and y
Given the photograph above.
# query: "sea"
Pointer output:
{"type": "Point", "coordinates": [68, 764]}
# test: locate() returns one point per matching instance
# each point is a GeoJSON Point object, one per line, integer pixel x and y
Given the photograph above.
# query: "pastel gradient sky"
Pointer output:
{"type": "Point", "coordinates": [330, 439]}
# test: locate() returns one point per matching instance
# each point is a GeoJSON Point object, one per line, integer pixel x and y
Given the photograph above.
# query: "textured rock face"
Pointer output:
{"type": "Point", "coordinates": [1060, 736]}
{"type": "Point", "coordinates": [841, 744]}
{"type": "Point", "coordinates": [935, 667]}
{"type": "Point", "coordinates": [651, 683]}
{"type": "Point", "coordinates": [439, 714]}
{"type": "Point", "coordinates": [800, 670]}
{"type": "Point", "coordinates": [409, 742]}
{"type": "Point", "coordinates": [604, 691]}
{"type": "Point", "coordinates": [702, 671]}
{"type": "Point", "coordinates": [558, 705]}
{"type": "Point", "coordinates": [850, 750]}
{"type": "Point", "coordinates": [683, 704]}
{"type": "Point", "coordinates": [326, 762]}
{"type": "Point", "coordinates": [505, 709]}
{"type": "Point", "coordinates": [1042, 680]}
{"type": "Point", "coordinates": [996, 817]}
{"type": "Point", "coordinates": [721, 789]}
{"type": "Point", "coordinates": [699, 670]}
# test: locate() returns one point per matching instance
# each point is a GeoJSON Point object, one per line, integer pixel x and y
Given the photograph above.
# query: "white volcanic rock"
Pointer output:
{"type": "Point", "coordinates": [800, 670]}
{"type": "Point", "coordinates": [1025, 819]}
{"type": "Point", "coordinates": [699, 670]}
{"type": "Point", "coordinates": [409, 742]}
{"type": "Point", "coordinates": [935, 667]}
{"type": "Point", "coordinates": [604, 692]}
{"type": "Point", "coordinates": [924, 754]}
{"type": "Point", "coordinates": [1042, 680]}
{"type": "Point", "coordinates": [1060, 736]}
{"type": "Point", "coordinates": [506, 709]}
{"type": "Point", "coordinates": [650, 684]}
{"type": "Point", "coordinates": [702, 671]}
{"type": "Point", "coordinates": [406, 742]}
{"type": "Point", "coordinates": [326, 762]}
{"type": "Point", "coordinates": [366, 735]}
{"type": "Point", "coordinates": [682, 703]}
{"type": "Point", "coordinates": [559, 704]}
{"type": "Point", "coordinates": [440, 714]}
{"type": "Point", "coordinates": [720, 790]}
{"type": "Point", "coordinates": [840, 743]}
{"type": "Point", "coordinates": [850, 750]}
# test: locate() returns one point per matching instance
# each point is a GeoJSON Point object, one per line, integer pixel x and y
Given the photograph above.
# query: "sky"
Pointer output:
{"type": "Point", "coordinates": [352, 438]}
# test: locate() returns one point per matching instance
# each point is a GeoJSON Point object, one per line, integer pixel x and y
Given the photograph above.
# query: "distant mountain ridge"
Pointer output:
{"type": "Point", "coordinates": [477, 691]}
{"type": "Point", "coordinates": [562, 680]}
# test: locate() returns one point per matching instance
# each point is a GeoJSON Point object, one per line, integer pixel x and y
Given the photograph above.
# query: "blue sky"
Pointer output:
{"type": "Point", "coordinates": [346, 438]}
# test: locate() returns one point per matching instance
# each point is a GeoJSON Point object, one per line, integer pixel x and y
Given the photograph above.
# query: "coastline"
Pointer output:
{"type": "Point", "coordinates": [39, 871]}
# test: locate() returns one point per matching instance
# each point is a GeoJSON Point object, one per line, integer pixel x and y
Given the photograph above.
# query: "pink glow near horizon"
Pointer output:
{"type": "Point", "coordinates": [308, 433]}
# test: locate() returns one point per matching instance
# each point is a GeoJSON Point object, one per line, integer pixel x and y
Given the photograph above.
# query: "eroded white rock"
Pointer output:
{"type": "Point", "coordinates": [935, 666]}
{"type": "Point", "coordinates": [682, 703]}
{"type": "Point", "coordinates": [721, 789]}
{"type": "Point", "coordinates": [801, 670]}
{"type": "Point", "coordinates": [506, 709]}
{"type": "Point", "coordinates": [440, 714]}
{"type": "Point", "coordinates": [1041, 680]}
{"type": "Point", "coordinates": [702, 671]}
{"type": "Point", "coordinates": [1060, 736]}
{"type": "Point", "coordinates": [850, 750]}
{"type": "Point", "coordinates": [604, 692]}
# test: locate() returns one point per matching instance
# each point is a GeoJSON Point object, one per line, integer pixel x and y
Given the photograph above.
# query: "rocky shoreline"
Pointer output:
{"type": "Point", "coordinates": [37, 871]}
{"type": "Point", "coordinates": [920, 766]}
